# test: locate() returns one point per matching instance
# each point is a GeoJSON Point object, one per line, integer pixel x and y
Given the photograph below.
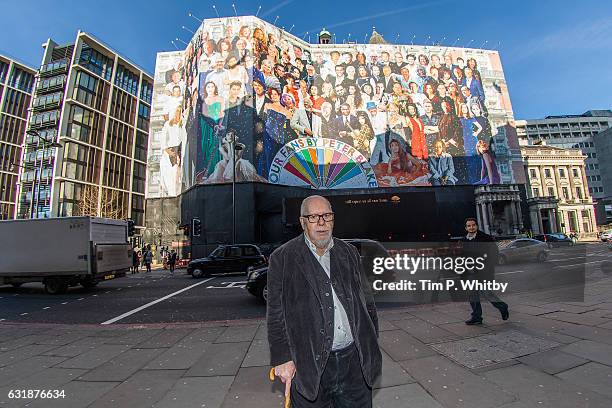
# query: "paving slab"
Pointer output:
{"type": "Point", "coordinates": [473, 352]}
{"type": "Point", "coordinates": [435, 317]}
{"type": "Point", "coordinates": [237, 334]}
{"type": "Point", "coordinates": [552, 361]}
{"type": "Point", "coordinates": [591, 350]}
{"type": "Point", "coordinates": [78, 395]}
{"type": "Point", "coordinates": [424, 331]}
{"type": "Point", "coordinates": [23, 353]}
{"type": "Point", "coordinates": [258, 354]}
{"type": "Point", "coordinates": [143, 389]}
{"type": "Point", "coordinates": [392, 374]}
{"type": "Point", "coordinates": [123, 366]}
{"type": "Point", "coordinates": [203, 335]}
{"type": "Point", "coordinates": [26, 368]}
{"type": "Point", "coordinates": [206, 392]}
{"type": "Point", "coordinates": [537, 389]}
{"type": "Point", "coordinates": [408, 395]}
{"type": "Point", "coordinates": [93, 358]}
{"type": "Point", "coordinates": [77, 347]}
{"type": "Point", "coordinates": [178, 357]}
{"type": "Point", "coordinates": [219, 359]}
{"type": "Point", "coordinates": [384, 325]}
{"type": "Point", "coordinates": [581, 319]}
{"type": "Point", "coordinates": [455, 386]}
{"type": "Point", "coordinates": [134, 337]}
{"type": "Point", "coordinates": [262, 332]}
{"type": "Point", "coordinates": [252, 388]}
{"type": "Point", "coordinates": [401, 346]}
{"type": "Point", "coordinates": [593, 376]}
{"type": "Point", "coordinates": [165, 338]}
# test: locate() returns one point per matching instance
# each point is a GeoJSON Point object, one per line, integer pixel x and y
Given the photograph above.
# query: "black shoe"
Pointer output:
{"type": "Point", "coordinates": [473, 321]}
{"type": "Point", "coordinates": [505, 314]}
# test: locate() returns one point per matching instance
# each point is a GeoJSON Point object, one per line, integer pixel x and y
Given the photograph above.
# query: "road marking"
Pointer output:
{"type": "Point", "coordinates": [138, 309]}
{"type": "Point", "coordinates": [579, 264]}
{"type": "Point", "coordinates": [23, 314]}
{"type": "Point", "coordinates": [45, 308]}
{"type": "Point", "coordinates": [508, 273]}
{"type": "Point", "coordinates": [1, 320]}
{"type": "Point", "coordinates": [236, 284]}
{"type": "Point", "coordinates": [64, 303]}
{"type": "Point", "coordinates": [81, 299]}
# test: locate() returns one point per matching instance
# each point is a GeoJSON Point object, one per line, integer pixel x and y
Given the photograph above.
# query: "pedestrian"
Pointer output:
{"type": "Point", "coordinates": [147, 257]}
{"type": "Point", "coordinates": [135, 261]}
{"type": "Point", "coordinates": [172, 261]}
{"type": "Point", "coordinates": [488, 246]}
{"type": "Point", "coordinates": [321, 316]}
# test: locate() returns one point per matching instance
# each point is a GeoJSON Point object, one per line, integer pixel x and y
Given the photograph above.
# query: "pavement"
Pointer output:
{"type": "Point", "coordinates": [549, 354]}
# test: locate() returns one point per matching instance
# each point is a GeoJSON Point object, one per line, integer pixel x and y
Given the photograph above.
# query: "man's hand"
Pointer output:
{"type": "Point", "coordinates": [285, 372]}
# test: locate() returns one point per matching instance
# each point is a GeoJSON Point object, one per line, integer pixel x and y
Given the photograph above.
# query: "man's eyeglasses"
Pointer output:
{"type": "Point", "coordinates": [314, 218]}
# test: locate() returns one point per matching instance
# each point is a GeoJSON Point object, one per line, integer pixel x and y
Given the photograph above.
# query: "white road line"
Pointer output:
{"type": "Point", "coordinates": [23, 314]}
{"type": "Point", "coordinates": [64, 303]}
{"type": "Point", "coordinates": [1, 320]}
{"type": "Point", "coordinates": [81, 299]}
{"type": "Point", "coordinates": [579, 264]}
{"type": "Point", "coordinates": [45, 308]}
{"type": "Point", "coordinates": [508, 273]}
{"type": "Point", "coordinates": [138, 309]}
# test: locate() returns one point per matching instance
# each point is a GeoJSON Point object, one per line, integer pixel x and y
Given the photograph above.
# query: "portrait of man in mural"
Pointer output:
{"type": "Point", "coordinates": [406, 115]}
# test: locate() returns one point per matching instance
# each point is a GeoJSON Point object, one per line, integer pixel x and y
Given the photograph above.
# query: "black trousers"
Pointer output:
{"type": "Point", "coordinates": [474, 297]}
{"type": "Point", "coordinates": [342, 384]}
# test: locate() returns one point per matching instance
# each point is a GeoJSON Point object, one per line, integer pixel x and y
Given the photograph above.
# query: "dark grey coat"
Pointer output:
{"type": "Point", "coordinates": [301, 315]}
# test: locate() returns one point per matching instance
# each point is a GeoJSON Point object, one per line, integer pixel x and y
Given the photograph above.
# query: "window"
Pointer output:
{"type": "Point", "coordinates": [126, 80]}
{"type": "Point", "coordinates": [21, 79]}
{"type": "Point", "coordinates": [123, 106]}
{"type": "Point", "coordinates": [119, 138]}
{"type": "Point", "coordinates": [562, 173]}
{"type": "Point", "coordinates": [96, 62]}
{"type": "Point", "coordinates": [81, 163]}
{"type": "Point", "coordinates": [547, 173]}
{"type": "Point", "coordinates": [249, 251]}
{"type": "Point", "coordinates": [144, 113]}
{"type": "Point", "coordinates": [91, 91]}
{"type": "Point", "coordinates": [578, 192]}
{"type": "Point", "coordinates": [565, 192]}
{"type": "Point", "coordinates": [140, 152]}
{"type": "Point", "coordinates": [551, 192]}
{"type": "Point", "coordinates": [533, 173]}
{"type": "Point", "coordinates": [575, 173]}
{"type": "Point", "coordinates": [536, 192]}
{"type": "Point", "coordinates": [146, 91]}
{"type": "Point", "coordinates": [16, 103]}
{"type": "Point", "coordinates": [138, 180]}
{"type": "Point", "coordinates": [138, 203]}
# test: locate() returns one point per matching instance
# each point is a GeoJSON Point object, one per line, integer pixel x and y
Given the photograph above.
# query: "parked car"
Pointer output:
{"type": "Point", "coordinates": [606, 236]}
{"type": "Point", "coordinates": [557, 239]}
{"type": "Point", "coordinates": [257, 281]}
{"type": "Point", "coordinates": [227, 259]}
{"type": "Point", "coordinates": [524, 250]}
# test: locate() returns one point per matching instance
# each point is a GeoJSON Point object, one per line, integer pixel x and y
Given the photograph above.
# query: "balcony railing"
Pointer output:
{"type": "Point", "coordinates": [53, 68]}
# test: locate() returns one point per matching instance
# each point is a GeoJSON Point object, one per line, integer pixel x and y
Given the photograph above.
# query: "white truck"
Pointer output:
{"type": "Point", "coordinates": [63, 252]}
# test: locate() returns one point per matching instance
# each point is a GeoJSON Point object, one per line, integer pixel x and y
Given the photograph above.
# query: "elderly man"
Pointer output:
{"type": "Point", "coordinates": [322, 322]}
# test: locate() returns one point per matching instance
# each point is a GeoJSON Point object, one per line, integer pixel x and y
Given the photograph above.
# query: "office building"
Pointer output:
{"type": "Point", "coordinates": [86, 150]}
{"type": "Point", "coordinates": [603, 146]}
{"type": "Point", "coordinates": [16, 84]}
{"type": "Point", "coordinates": [557, 191]}
{"type": "Point", "coordinates": [573, 132]}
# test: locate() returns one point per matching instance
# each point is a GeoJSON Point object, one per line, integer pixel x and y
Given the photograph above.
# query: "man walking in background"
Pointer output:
{"type": "Point", "coordinates": [322, 321]}
{"type": "Point", "coordinates": [483, 243]}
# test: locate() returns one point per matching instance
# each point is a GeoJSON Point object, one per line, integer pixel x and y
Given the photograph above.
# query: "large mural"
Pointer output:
{"type": "Point", "coordinates": [247, 101]}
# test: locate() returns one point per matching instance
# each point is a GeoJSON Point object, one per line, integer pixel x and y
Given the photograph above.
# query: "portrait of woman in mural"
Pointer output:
{"type": "Point", "coordinates": [174, 137]}
{"type": "Point", "coordinates": [488, 168]}
{"type": "Point", "coordinates": [402, 168]}
{"type": "Point", "coordinates": [211, 117]}
{"type": "Point", "coordinates": [470, 129]}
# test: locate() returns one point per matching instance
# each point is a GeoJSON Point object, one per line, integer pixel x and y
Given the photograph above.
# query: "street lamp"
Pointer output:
{"type": "Point", "coordinates": [236, 147]}
{"type": "Point", "coordinates": [38, 174]}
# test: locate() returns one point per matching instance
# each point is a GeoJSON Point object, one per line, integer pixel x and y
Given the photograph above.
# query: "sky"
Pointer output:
{"type": "Point", "coordinates": [557, 55]}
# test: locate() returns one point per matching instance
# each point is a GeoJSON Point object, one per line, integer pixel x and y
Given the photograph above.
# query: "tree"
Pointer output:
{"type": "Point", "coordinates": [111, 205]}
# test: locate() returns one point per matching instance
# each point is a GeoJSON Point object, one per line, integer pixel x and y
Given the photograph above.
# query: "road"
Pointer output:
{"type": "Point", "coordinates": [159, 297]}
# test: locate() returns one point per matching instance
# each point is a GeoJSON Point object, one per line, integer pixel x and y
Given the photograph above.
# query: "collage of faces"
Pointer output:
{"type": "Point", "coordinates": [243, 90]}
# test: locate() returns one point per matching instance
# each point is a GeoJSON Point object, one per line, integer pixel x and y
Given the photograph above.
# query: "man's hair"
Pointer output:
{"type": "Point", "coordinates": [235, 83]}
{"type": "Point", "coordinates": [470, 219]}
{"type": "Point", "coordinates": [305, 202]}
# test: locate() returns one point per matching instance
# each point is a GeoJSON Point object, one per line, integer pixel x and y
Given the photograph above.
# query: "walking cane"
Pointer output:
{"type": "Point", "coordinates": [287, 397]}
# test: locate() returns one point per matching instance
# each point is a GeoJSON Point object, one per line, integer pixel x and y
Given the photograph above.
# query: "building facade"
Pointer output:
{"type": "Point", "coordinates": [96, 104]}
{"type": "Point", "coordinates": [557, 191]}
{"type": "Point", "coordinates": [603, 146]}
{"type": "Point", "coordinates": [574, 132]}
{"type": "Point", "coordinates": [16, 85]}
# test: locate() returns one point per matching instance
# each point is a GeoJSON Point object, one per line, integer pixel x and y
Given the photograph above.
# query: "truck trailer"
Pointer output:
{"type": "Point", "coordinates": [63, 252]}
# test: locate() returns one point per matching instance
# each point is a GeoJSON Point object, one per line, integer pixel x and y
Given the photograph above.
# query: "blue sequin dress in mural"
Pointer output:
{"type": "Point", "coordinates": [469, 145]}
{"type": "Point", "coordinates": [274, 137]}
{"type": "Point", "coordinates": [210, 142]}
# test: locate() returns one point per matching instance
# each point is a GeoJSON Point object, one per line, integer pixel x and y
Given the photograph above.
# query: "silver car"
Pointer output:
{"type": "Point", "coordinates": [524, 250]}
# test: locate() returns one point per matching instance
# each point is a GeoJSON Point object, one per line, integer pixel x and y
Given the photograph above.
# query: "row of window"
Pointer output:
{"type": "Point", "coordinates": [116, 171]}
{"type": "Point", "coordinates": [85, 125]}
{"type": "Point", "coordinates": [146, 91]}
{"type": "Point", "coordinates": [49, 118]}
{"type": "Point", "coordinates": [594, 178]}
{"type": "Point", "coordinates": [48, 84]}
{"type": "Point", "coordinates": [96, 62]}
{"type": "Point", "coordinates": [592, 166]}
{"type": "Point", "coordinates": [81, 163]}
{"type": "Point", "coordinates": [575, 125]}
{"type": "Point", "coordinates": [9, 156]}
{"type": "Point", "coordinates": [144, 114]}
{"type": "Point", "coordinates": [126, 80]}
{"type": "Point", "coordinates": [59, 65]}
{"type": "Point", "coordinates": [52, 99]}
{"type": "Point", "coordinates": [565, 192]}
{"type": "Point", "coordinates": [4, 67]}
{"type": "Point", "coordinates": [119, 138]}
{"type": "Point", "coordinates": [21, 79]}
{"type": "Point", "coordinates": [12, 129]}
{"type": "Point", "coordinates": [533, 173]}
{"type": "Point", "coordinates": [16, 103]}
{"type": "Point", "coordinates": [596, 190]}
{"type": "Point", "coordinates": [123, 106]}
{"type": "Point", "coordinates": [91, 91]}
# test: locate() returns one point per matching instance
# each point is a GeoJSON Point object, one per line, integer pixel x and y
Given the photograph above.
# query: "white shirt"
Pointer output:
{"type": "Point", "coordinates": [342, 328]}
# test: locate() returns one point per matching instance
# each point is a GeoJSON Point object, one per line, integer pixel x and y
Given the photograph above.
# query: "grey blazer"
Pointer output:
{"type": "Point", "coordinates": [300, 311]}
{"type": "Point", "coordinates": [299, 122]}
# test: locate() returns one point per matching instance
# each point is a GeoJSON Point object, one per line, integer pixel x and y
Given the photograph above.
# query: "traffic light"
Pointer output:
{"type": "Point", "coordinates": [131, 228]}
{"type": "Point", "coordinates": [196, 227]}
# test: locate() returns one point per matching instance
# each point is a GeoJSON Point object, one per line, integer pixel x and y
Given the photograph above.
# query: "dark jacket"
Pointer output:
{"type": "Point", "coordinates": [300, 311]}
{"type": "Point", "coordinates": [483, 245]}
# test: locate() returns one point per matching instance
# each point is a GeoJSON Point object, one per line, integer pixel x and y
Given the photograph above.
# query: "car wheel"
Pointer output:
{"type": "Point", "coordinates": [264, 293]}
{"type": "Point", "coordinates": [542, 256]}
{"type": "Point", "coordinates": [502, 260]}
{"type": "Point", "coordinates": [197, 273]}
